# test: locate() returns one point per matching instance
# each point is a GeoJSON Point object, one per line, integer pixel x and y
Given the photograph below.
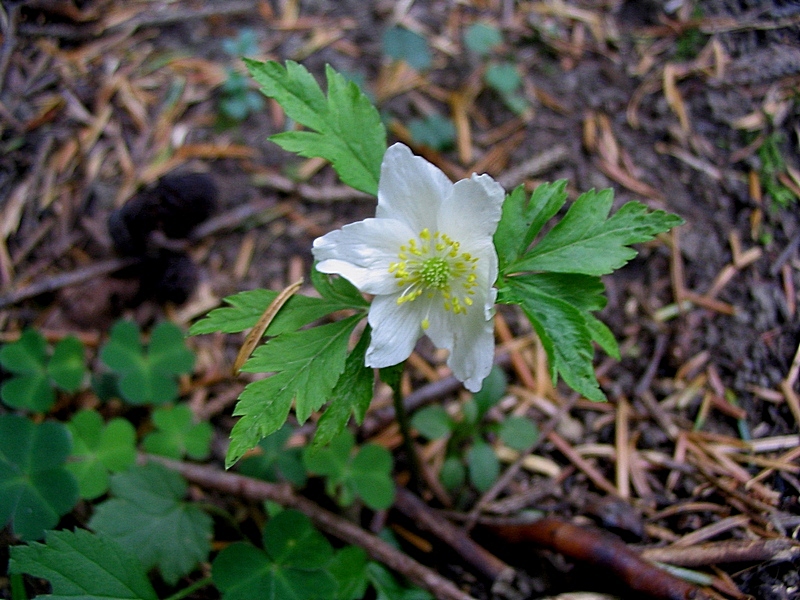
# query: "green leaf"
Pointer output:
{"type": "Point", "coordinates": [351, 395]}
{"type": "Point", "coordinates": [503, 77]}
{"type": "Point", "coordinates": [98, 449]}
{"type": "Point", "coordinates": [83, 566]}
{"type": "Point", "coordinates": [482, 38]}
{"type": "Point", "coordinates": [557, 307]}
{"type": "Point", "coordinates": [35, 488]}
{"type": "Point", "coordinates": [518, 432]}
{"type": "Point", "coordinates": [339, 292]}
{"type": "Point", "coordinates": [349, 568]}
{"type": "Point", "coordinates": [67, 366]}
{"type": "Point", "coordinates": [30, 388]}
{"type": "Point", "coordinates": [434, 131]}
{"type": "Point", "coordinates": [387, 587]}
{"type": "Point", "coordinates": [483, 466]}
{"type": "Point", "coordinates": [148, 516]}
{"type": "Point", "coordinates": [331, 461]}
{"type": "Point", "coordinates": [274, 460]}
{"type": "Point", "coordinates": [453, 473]}
{"type": "Point", "coordinates": [433, 422]}
{"type": "Point", "coordinates": [371, 476]}
{"type": "Point", "coordinates": [247, 307]}
{"type": "Point", "coordinates": [523, 218]}
{"type": "Point", "coordinates": [586, 241]}
{"type": "Point", "coordinates": [493, 389]}
{"type": "Point", "coordinates": [307, 364]}
{"type": "Point", "coordinates": [291, 566]}
{"type": "Point", "coordinates": [147, 377]}
{"type": "Point", "coordinates": [177, 434]}
{"type": "Point", "coordinates": [400, 43]}
{"type": "Point", "coordinates": [346, 128]}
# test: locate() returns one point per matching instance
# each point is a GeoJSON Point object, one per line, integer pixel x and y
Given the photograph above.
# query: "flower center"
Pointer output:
{"type": "Point", "coordinates": [434, 265]}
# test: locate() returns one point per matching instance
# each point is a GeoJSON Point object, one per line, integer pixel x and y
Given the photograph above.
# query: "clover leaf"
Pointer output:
{"type": "Point", "coordinates": [83, 566]}
{"type": "Point", "coordinates": [272, 460]}
{"type": "Point", "coordinates": [292, 565]}
{"type": "Point", "coordinates": [99, 449]}
{"type": "Point", "coordinates": [177, 434]}
{"type": "Point", "coordinates": [147, 376]}
{"type": "Point", "coordinates": [37, 373]}
{"type": "Point", "coordinates": [35, 488]}
{"type": "Point", "coordinates": [365, 473]}
{"type": "Point", "coordinates": [147, 515]}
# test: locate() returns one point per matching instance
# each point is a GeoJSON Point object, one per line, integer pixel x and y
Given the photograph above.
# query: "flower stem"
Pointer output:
{"type": "Point", "coordinates": [188, 590]}
{"type": "Point", "coordinates": [392, 376]}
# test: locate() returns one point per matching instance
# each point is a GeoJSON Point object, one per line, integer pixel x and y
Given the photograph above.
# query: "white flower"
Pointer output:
{"type": "Point", "coordinates": [429, 260]}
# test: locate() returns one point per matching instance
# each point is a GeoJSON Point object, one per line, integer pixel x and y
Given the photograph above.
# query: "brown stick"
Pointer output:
{"type": "Point", "coordinates": [780, 549]}
{"type": "Point", "coordinates": [599, 548]}
{"type": "Point", "coordinates": [254, 489]}
{"type": "Point", "coordinates": [475, 554]}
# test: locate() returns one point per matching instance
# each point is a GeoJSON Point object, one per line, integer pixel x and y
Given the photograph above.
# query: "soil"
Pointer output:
{"type": "Point", "coordinates": [671, 104]}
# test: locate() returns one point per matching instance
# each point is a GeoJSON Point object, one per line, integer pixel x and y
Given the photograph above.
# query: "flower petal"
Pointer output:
{"type": "Point", "coordinates": [470, 340]}
{"type": "Point", "coordinates": [411, 189]}
{"type": "Point", "coordinates": [472, 211]}
{"type": "Point", "coordinates": [362, 252]}
{"type": "Point", "coordinates": [395, 331]}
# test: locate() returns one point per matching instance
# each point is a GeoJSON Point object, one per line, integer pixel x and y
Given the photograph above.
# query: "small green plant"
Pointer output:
{"type": "Point", "coordinates": [148, 515]}
{"type": "Point", "coordinates": [238, 100]}
{"type": "Point", "coordinates": [434, 131]}
{"type": "Point", "coordinates": [98, 450]}
{"type": "Point", "coordinates": [482, 38]}
{"type": "Point", "coordinates": [468, 454]}
{"type": "Point", "coordinates": [147, 376]}
{"type": "Point", "coordinates": [36, 489]}
{"type": "Point", "coordinates": [273, 461]}
{"type": "Point", "coordinates": [403, 44]}
{"type": "Point", "coordinates": [365, 473]}
{"type": "Point", "coordinates": [177, 435]}
{"type": "Point", "coordinates": [38, 373]}
{"type": "Point", "coordinates": [773, 165]}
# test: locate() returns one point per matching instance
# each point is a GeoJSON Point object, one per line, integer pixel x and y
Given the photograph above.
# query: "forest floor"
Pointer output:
{"type": "Point", "coordinates": [693, 108]}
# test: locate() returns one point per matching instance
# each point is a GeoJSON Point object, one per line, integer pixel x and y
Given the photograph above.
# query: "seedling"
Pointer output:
{"type": "Point", "coordinates": [364, 473]}
{"type": "Point", "coordinates": [504, 78]}
{"type": "Point", "coordinates": [38, 373]}
{"type": "Point", "coordinates": [177, 435]}
{"type": "Point", "coordinates": [403, 44]}
{"type": "Point", "coordinates": [147, 376]}
{"type": "Point", "coordinates": [147, 515]}
{"type": "Point", "coordinates": [99, 450]}
{"type": "Point", "coordinates": [468, 453]}
{"type": "Point", "coordinates": [238, 100]}
{"type": "Point", "coordinates": [482, 38]}
{"type": "Point", "coordinates": [433, 131]}
{"type": "Point", "coordinates": [35, 488]}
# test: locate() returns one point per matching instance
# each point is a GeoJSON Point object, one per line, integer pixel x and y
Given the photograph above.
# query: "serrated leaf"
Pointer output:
{"type": "Point", "coordinates": [483, 466]}
{"type": "Point", "coordinates": [346, 127]}
{"type": "Point", "coordinates": [291, 567]}
{"type": "Point", "coordinates": [351, 395]}
{"type": "Point", "coordinates": [560, 321]}
{"type": "Point", "coordinates": [83, 566]}
{"type": "Point", "coordinates": [338, 291]}
{"type": "Point", "coordinates": [331, 461]}
{"type": "Point", "coordinates": [433, 422]}
{"type": "Point", "coordinates": [586, 241]}
{"type": "Point", "coordinates": [147, 377]}
{"type": "Point", "coordinates": [307, 364]}
{"type": "Point", "coordinates": [177, 434]}
{"type": "Point", "coordinates": [523, 218]}
{"type": "Point", "coordinates": [274, 460]}
{"type": "Point", "coordinates": [67, 366]}
{"type": "Point", "coordinates": [400, 43]}
{"type": "Point", "coordinates": [147, 514]}
{"type": "Point", "coordinates": [35, 488]}
{"type": "Point", "coordinates": [247, 307]}
{"type": "Point", "coordinates": [99, 449]}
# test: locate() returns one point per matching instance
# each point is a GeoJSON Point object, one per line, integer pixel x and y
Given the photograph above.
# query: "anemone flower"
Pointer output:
{"type": "Point", "coordinates": [428, 259]}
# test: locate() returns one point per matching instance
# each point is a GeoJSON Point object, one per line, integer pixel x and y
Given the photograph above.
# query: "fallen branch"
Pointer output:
{"type": "Point", "coordinates": [282, 493]}
{"type": "Point", "coordinates": [731, 551]}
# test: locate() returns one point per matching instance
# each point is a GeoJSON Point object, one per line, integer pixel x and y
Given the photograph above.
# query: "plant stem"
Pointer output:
{"type": "Point", "coordinates": [188, 590]}
{"type": "Point", "coordinates": [392, 378]}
